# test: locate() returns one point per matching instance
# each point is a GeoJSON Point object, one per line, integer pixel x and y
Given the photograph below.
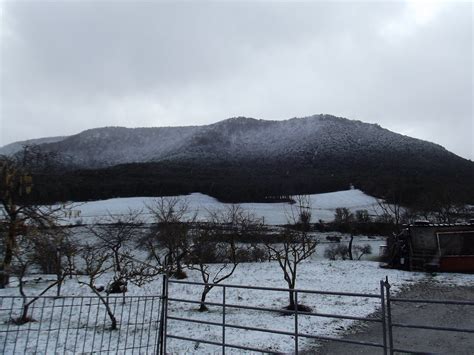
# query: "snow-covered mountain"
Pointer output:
{"type": "Point", "coordinates": [247, 160]}
{"type": "Point", "coordinates": [306, 139]}
{"type": "Point", "coordinates": [14, 147]}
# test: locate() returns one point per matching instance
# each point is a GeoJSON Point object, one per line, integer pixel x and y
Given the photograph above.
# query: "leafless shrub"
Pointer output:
{"type": "Point", "coordinates": [334, 252]}
{"type": "Point", "coordinates": [361, 250]}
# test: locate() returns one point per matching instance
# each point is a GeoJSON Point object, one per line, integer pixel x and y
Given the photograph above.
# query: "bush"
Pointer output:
{"type": "Point", "coordinates": [361, 250]}
{"type": "Point", "coordinates": [253, 254]}
{"type": "Point", "coordinates": [362, 216]}
{"type": "Point", "coordinates": [337, 251]}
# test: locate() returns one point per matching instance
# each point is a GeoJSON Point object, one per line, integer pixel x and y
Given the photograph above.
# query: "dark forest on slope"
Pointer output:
{"type": "Point", "coordinates": [243, 159]}
{"type": "Point", "coordinates": [265, 182]}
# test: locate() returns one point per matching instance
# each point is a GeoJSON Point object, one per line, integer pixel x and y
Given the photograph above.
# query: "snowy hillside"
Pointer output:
{"type": "Point", "coordinates": [323, 206]}
{"type": "Point", "coordinates": [12, 148]}
{"type": "Point", "coordinates": [234, 139]}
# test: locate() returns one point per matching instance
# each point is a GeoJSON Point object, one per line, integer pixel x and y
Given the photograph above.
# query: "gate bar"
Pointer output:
{"type": "Point", "coordinates": [332, 293]}
{"type": "Point", "coordinates": [223, 321]}
{"type": "Point", "coordinates": [327, 315]}
{"type": "Point", "coordinates": [384, 320]}
{"type": "Point", "coordinates": [389, 315]}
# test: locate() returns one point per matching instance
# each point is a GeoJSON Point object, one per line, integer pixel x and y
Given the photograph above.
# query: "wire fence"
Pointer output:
{"type": "Point", "coordinates": [80, 324]}
{"type": "Point", "coordinates": [147, 324]}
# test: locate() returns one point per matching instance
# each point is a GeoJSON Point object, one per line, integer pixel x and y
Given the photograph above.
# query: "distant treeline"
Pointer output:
{"type": "Point", "coordinates": [409, 184]}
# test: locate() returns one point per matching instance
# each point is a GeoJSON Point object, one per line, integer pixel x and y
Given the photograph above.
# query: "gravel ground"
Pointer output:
{"type": "Point", "coordinates": [418, 340]}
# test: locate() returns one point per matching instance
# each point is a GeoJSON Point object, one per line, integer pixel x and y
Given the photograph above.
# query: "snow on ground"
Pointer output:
{"type": "Point", "coordinates": [315, 274]}
{"type": "Point", "coordinates": [323, 206]}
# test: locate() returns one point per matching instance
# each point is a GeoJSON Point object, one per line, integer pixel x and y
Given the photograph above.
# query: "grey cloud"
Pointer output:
{"type": "Point", "coordinates": [69, 66]}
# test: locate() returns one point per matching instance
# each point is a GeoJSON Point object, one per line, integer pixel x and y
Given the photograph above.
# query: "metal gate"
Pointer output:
{"type": "Point", "coordinates": [383, 318]}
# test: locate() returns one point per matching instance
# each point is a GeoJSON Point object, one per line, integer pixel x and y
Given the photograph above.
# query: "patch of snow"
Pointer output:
{"type": "Point", "coordinates": [323, 206]}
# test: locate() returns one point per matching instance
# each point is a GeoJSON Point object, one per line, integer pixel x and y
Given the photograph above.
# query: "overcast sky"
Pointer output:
{"type": "Point", "coordinates": [67, 66]}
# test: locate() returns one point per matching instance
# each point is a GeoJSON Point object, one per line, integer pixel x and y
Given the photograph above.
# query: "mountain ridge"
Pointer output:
{"type": "Point", "coordinates": [227, 139]}
{"type": "Point", "coordinates": [244, 159]}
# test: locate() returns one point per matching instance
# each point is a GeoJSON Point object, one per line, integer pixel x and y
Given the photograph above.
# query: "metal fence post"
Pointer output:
{"type": "Point", "coordinates": [165, 330]}
{"type": "Point", "coordinates": [223, 320]}
{"type": "Point", "coordinates": [384, 320]}
{"type": "Point", "coordinates": [296, 322]}
{"type": "Point", "coordinates": [389, 315]}
{"type": "Point", "coordinates": [164, 305]}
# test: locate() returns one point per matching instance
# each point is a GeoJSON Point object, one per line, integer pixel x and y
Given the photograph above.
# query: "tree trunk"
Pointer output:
{"type": "Point", "coordinates": [179, 268]}
{"type": "Point", "coordinates": [350, 247]}
{"type": "Point", "coordinates": [58, 288]}
{"type": "Point", "coordinates": [292, 299]}
{"type": "Point", "coordinates": [109, 312]}
{"type": "Point", "coordinates": [202, 307]}
{"type": "Point", "coordinates": [59, 276]}
{"type": "Point", "coordinates": [117, 262]}
{"type": "Point", "coordinates": [4, 277]}
{"type": "Point", "coordinates": [24, 315]}
{"type": "Point", "coordinates": [7, 260]}
{"type": "Point", "coordinates": [70, 265]}
{"type": "Point", "coordinates": [105, 302]}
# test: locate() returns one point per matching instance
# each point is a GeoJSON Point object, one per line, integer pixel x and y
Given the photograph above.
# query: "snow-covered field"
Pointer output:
{"type": "Point", "coordinates": [314, 274]}
{"type": "Point", "coordinates": [323, 206]}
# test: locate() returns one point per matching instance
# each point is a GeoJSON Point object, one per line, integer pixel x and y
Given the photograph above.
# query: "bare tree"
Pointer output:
{"type": "Point", "coordinates": [215, 243]}
{"type": "Point", "coordinates": [294, 247]}
{"type": "Point", "coordinates": [167, 242]}
{"type": "Point", "coordinates": [96, 264]}
{"type": "Point", "coordinates": [344, 220]}
{"type": "Point", "coordinates": [391, 213]}
{"type": "Point", "coordinates": [362, 250]}
{"type": "Point", "coordinates": [300, 214]}
{"type": "Point", "coordinates": [23, 260]}
{"type": "Point", "coordinates": [17, 214]}
{"type": "Point", "coordinates": [392, 210]}
{"type": "Point", "coordinates": [53, 252]}
{"type": "Point", "coordinates": [117, 234]}
{"type": "Point", "coordinates": [448, 211]}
